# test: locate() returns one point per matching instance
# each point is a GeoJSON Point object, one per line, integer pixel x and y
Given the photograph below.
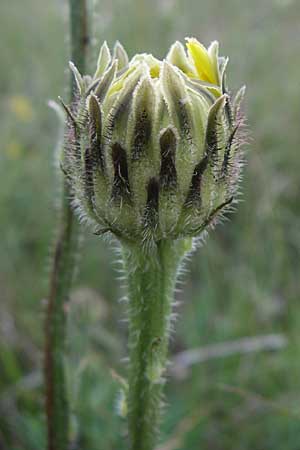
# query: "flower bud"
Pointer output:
{"type": "Point", "coordinates": [152, 148]}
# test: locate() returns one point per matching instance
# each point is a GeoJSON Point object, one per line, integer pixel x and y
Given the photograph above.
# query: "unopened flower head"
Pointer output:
{"type": "Point", "coordinates": [152, 147]}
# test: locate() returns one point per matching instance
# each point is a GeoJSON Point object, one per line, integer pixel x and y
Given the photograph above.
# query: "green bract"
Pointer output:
{"type": "Point", "coordinates": [152, 150]}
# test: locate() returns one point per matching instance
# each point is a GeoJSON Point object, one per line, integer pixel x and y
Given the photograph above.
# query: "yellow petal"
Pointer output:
{"type": "Point", "coordinates": [202, 61]}
{"type": "Point", "coordinates": [21, 107]}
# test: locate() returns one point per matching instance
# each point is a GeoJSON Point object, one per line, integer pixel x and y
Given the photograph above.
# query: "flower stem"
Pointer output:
{"type": "Point", "coordinates": [151, 279]}
{"type": "Point", "coordinates": [62, 273]}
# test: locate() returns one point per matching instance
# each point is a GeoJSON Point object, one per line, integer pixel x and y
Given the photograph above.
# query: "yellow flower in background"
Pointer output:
{"type": "Point", "coordinates": [21, 107]}
{"type": "Point", "coordinates": [14, 149]}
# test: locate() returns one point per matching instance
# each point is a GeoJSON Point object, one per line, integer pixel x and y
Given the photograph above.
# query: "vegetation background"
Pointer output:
{"type": "Point", "coordinates": [243, 282]}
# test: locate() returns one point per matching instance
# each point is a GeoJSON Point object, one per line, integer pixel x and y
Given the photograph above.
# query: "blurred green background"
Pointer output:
{"type": "Point", "coordinates": [243, 283]}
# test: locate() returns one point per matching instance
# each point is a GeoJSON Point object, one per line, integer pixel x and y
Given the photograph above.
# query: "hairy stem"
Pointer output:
{"type": "Point", "coordinates": [62, 272]}
{"type": "Point", "coordinates": [60, 282]}
{"type": "Point", "coordinates": [151, 279]}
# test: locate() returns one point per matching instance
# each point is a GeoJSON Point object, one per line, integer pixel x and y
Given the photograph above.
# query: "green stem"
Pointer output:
{"type": "Point", "coordinates": [62, 272]}
{"type": "Point", "coordinates": [60, 282]}
{"type": "Point", "coordinates": [151, 279]}
{"type": "Point", "coordinates": [79, 34]}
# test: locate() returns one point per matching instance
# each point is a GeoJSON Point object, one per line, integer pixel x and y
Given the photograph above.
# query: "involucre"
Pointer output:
{"type": "Point", "coordinates": [152, 148]}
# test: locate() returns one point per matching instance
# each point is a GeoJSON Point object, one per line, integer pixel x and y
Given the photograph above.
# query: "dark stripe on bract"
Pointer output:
{"type": "Point", "coordinates": [116, 113]}
{"type": "Point", "coordinates": [209, 221]}
{"type": "Point", "coordinates": [153, 194]}
{"type": "Point", "coordinates": [120, 187]}
{"type": "Point", "coordinates": [142, 134]}
{"type": "Point", "coordinates": [214, 126]}
{"type": "Point", "coordinates": [216, 211]}
{"type": "Point", "coordinates": [168, 175]}
{"type": "Point", "coordinates": [95, 127]}
{"type": "Point", "coordinates": [88, 174]}
{"type": "Point", "coordinates": [227, 152]}
{"type": "Point", "coordinates": [194, 195]}
{"type": "Point", "coordinates": [212, 141]}
{"type": "Point", "coordinates": [228, 112]}
{"type": "Point", "coordinates": [178, 97]}
{"type": "Point", "coordinates": [184, 121]}
{"type": "Point", "coordinates": [73, 142]}
{"type": "Point", "coordinates": [151, 211]}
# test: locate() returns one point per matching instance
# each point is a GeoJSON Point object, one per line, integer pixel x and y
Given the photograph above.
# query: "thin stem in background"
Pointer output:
{"type": "Point", "coordinates": [62, 271]}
